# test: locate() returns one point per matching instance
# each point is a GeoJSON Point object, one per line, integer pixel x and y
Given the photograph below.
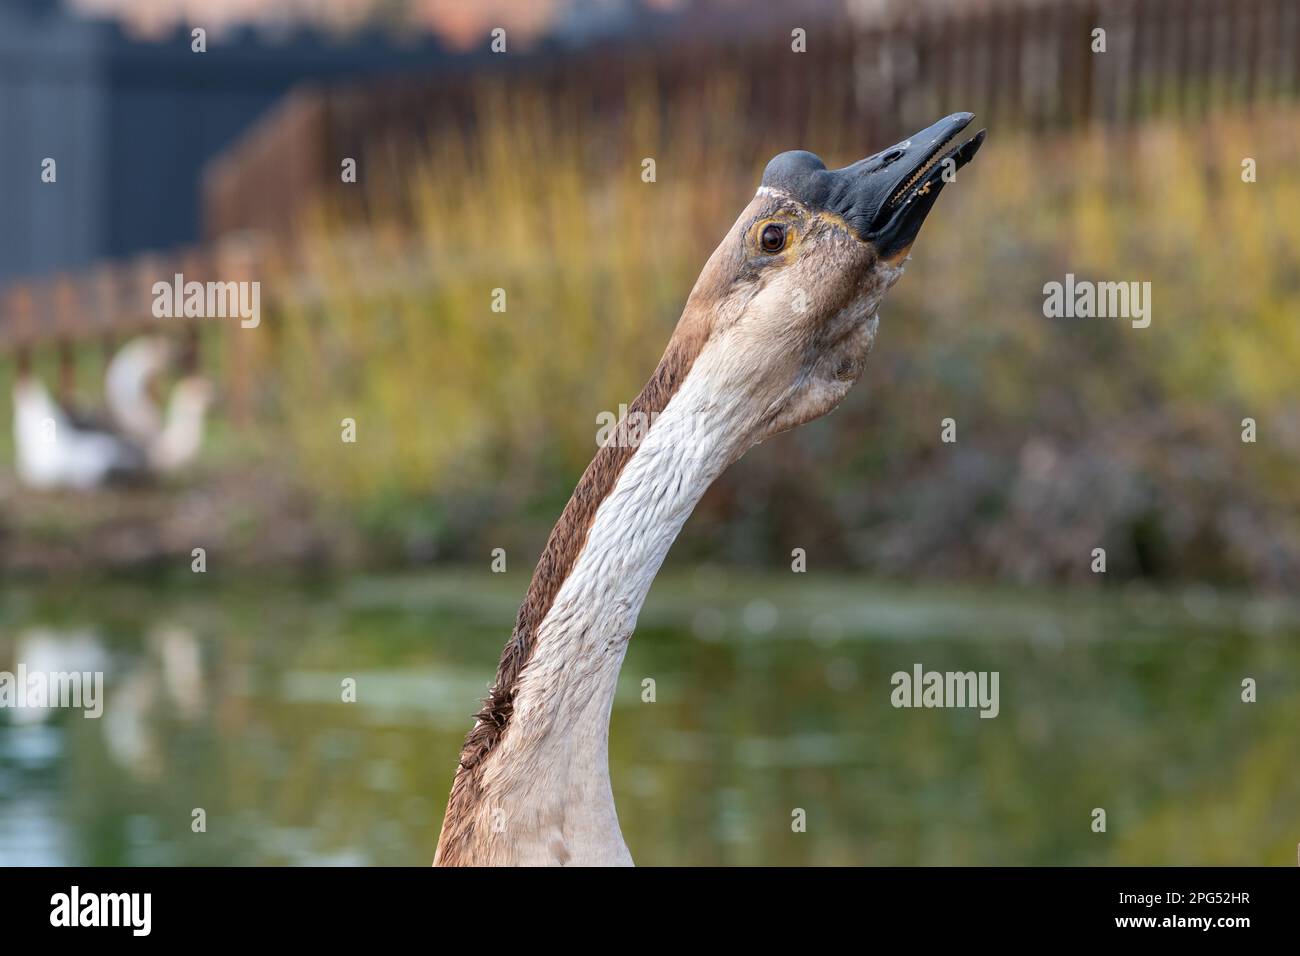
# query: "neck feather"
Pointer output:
{"type": "Point", "coordinates": [533, 785]}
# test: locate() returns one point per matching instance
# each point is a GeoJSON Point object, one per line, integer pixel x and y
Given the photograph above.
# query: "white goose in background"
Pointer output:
{"type": "Point", "coordinates": [56, 449]}
{"type": "Point", "coordinates": [775, 332]}
{"type": "Point", "coordinates": [171, 441]}
{"type": "Point", "coordinates": [53, 451]}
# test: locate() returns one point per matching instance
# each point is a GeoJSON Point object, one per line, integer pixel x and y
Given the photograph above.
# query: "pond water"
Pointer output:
{"type": "Point", "coordinates": [771, 696]}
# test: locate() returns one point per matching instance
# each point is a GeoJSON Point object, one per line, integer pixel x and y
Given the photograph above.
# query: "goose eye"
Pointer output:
{"type": "Point", "coordinates": [772, 238]}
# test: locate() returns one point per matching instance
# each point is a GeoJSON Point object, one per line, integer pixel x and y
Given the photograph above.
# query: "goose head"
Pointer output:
{"type": "Point", "coordinates": [785, 312]}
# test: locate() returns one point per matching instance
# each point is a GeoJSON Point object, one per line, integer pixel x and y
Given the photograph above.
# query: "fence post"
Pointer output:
{"type": "Point", "coordinates": [101, 306]}
{"type": "Point", "coordinates": [237, 262]}
{"type": "Point", "coordinates": [63, 304]}
{"type": "Point", "coordinates": [20, 324]}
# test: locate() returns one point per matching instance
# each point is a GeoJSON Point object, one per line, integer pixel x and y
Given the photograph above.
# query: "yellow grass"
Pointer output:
{"type": "Point", "coordinates": [451, 397]}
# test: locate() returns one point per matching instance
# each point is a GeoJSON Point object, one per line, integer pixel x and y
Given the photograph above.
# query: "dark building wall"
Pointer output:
{"type": "Point", "coordinates": [52, 104]}
{"type": "Point", "coordinates": [131, 124]}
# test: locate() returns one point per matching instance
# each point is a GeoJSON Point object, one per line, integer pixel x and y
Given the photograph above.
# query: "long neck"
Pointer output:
{"type": "Point", "coordinates": [126, 388]}
{"type": "Point", "coordinates": [541, 792]}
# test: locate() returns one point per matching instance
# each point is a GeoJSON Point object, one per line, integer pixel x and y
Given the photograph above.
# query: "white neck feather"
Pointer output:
{"type": "Point", "coordinates": [549, 796]}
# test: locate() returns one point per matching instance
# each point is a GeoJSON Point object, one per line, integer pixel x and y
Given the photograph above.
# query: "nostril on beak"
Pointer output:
{"type": "Point", "coordinates": [890, 156]}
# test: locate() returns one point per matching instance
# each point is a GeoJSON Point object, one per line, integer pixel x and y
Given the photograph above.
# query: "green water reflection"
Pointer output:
{"type": "Point", "coordinates": [770, 694]}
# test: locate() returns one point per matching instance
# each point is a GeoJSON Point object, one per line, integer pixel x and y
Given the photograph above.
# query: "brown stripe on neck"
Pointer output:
{"type": "Point", "coordinates": [565, 543]}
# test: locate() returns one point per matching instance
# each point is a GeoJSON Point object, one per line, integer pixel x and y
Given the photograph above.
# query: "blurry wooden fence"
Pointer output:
{"type": "Point", "coordinates": [106, 305]}
{"type": "Point", "coordinates": [1015, 63]}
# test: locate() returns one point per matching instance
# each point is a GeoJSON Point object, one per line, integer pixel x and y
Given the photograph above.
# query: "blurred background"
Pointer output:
{"type": "Point", "coordinates": [523, 170]}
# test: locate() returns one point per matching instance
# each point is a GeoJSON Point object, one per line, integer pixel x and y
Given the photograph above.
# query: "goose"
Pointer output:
{"type": "Point", "coordinates": [775, 332]}
{"type": "Point", "coordinates": [55, 449]}
{"type": "Point", "coordinates": [58, 447]}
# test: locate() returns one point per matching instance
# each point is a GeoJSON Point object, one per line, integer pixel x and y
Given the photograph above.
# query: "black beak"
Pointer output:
{"type": "Point", "coordinates": [885, 197]}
